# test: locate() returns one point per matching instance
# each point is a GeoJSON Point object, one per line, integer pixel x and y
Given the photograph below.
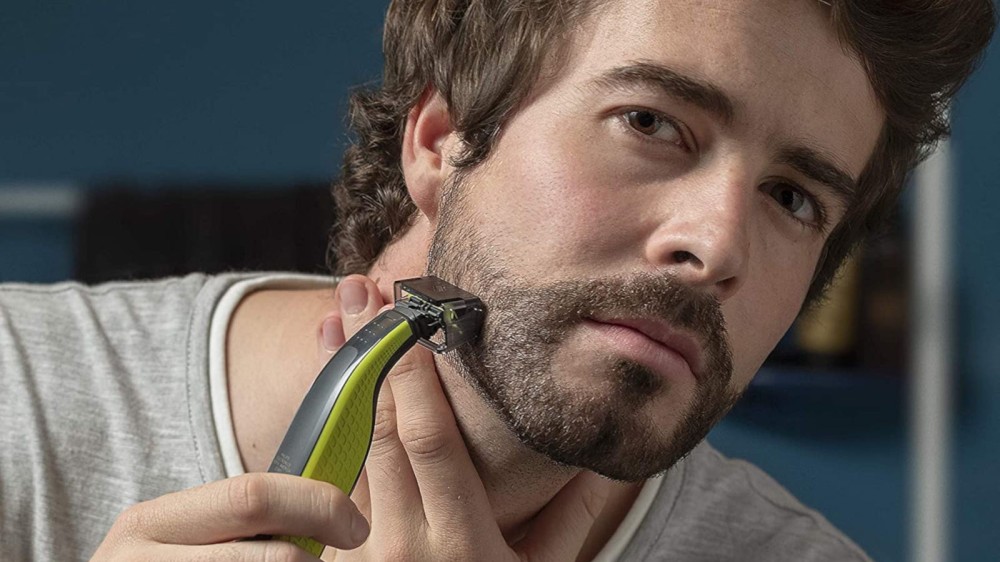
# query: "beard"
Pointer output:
{"type": "Point", "coordinates": [600, 421]}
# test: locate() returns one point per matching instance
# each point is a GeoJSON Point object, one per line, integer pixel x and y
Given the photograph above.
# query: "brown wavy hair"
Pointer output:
{"type": "Point", "coordinates": [485, 56]}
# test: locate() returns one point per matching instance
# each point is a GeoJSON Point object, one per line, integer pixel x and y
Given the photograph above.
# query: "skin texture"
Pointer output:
{"type": "Point", "coordinates": [588, 181]}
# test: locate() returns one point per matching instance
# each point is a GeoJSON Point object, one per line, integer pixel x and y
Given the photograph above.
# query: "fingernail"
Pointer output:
{"type": "Point", "coordinates": [359, 528]}
{"type": "Point", "coordinates": [353, 296]}
{"type": "Point", "coordinates": [332, 332]}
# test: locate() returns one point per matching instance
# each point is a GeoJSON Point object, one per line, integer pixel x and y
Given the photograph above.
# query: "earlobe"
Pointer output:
{"type": "Point", "coordinates": [427, 141]}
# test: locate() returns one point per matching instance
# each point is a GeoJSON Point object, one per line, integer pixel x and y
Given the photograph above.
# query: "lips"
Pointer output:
{"type": "Point", "coordinates": [664, 335]}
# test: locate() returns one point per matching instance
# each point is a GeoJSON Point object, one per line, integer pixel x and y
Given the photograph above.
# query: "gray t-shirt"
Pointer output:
{"type": "Point", "coordinates": [105, 402]}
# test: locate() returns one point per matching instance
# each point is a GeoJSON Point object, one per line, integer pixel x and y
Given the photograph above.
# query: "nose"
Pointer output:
{"type": "Point", "coordinates": [704, 238]}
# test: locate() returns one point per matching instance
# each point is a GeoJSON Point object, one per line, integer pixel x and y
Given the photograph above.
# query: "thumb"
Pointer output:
{"type": "Point", "coordinates": [560, 529]}
{"type": "Point", "coordinates": [359, 301]}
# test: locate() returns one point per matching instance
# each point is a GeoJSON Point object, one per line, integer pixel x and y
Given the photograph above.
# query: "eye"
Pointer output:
{"type": "Point", "coordinates": [796, 201]}
{"type": "Point", "coordinates": [653, 124]}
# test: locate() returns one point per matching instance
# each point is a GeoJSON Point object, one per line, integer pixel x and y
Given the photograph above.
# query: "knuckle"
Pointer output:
{"type": "Point", "coordinates": [248, 497]}
{"type": "Point", "coordinates": [427, 443]}
{"type": "Point", "coordinates": [333, 505]}
{"type": "Point", "coordinates": [384, 431]}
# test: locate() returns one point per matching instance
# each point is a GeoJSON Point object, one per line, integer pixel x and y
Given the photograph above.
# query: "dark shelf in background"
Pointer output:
{"type": "Point", "coordinates": [127, 233]}
{"type": "Point", "coordinates": [804, 400]}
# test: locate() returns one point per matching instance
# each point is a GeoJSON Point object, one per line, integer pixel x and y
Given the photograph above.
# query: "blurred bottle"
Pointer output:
{"type": "Point", "coordinates": [826, 335]}
{"type": "Point", "coordinates": [884, 303]}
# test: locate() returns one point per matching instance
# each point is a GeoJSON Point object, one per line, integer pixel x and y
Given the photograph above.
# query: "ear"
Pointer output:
{"type": "Point", "coordinates": [427, 143]}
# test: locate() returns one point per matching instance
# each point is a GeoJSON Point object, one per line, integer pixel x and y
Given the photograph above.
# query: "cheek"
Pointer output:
{"type": "Point", "coordinates": [765, 307]}
{"type": "Point", "coordinates": [553, 201]}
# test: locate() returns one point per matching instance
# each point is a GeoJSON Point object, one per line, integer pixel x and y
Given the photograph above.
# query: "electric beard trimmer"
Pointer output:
{"type": "Point", "coordinates": [331, 433]}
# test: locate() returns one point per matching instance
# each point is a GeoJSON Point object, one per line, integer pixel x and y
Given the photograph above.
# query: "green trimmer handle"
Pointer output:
{"type": "Point", "coordinates": [331, 433]}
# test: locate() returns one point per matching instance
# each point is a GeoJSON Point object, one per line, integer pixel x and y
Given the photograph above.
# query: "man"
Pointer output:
{"type": "Point", "coordinates": [643, 193]}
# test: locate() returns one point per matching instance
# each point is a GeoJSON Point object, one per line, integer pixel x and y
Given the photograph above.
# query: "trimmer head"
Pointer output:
{"type": "Point", "coordinates": [439, 304]}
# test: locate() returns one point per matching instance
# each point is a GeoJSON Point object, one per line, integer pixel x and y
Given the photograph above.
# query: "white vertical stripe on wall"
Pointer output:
{"type": "Point", "coordinates": [930, 361]}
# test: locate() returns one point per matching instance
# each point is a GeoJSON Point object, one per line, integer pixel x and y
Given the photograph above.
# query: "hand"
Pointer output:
{"type": "Point", "coordinates": [425, 498]}
{"type": "Point", "coordinates": [201, 523]}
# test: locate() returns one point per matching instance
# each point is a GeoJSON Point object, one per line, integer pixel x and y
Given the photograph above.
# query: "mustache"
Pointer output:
{"type": "Point", "coordinates": [641, 295]}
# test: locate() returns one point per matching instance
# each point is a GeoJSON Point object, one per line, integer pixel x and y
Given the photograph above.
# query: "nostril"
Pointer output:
{"type": "Point", "coordinates": [682, 256]}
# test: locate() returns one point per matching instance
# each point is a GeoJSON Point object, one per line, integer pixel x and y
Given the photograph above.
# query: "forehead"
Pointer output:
{"type": "Point", "coordinates": [779, 61]}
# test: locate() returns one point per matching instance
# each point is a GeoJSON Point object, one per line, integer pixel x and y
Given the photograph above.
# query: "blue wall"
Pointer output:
{"type": "Point", "coordinates": [977, 257]}
{"type": "Point", "coordinates": [180, 90]}
{"type": "Point", "coordinates": [194, 91]}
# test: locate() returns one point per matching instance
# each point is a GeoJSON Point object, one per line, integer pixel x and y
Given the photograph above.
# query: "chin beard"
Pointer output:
{"type": "Point", "coordinates": [605, 427]}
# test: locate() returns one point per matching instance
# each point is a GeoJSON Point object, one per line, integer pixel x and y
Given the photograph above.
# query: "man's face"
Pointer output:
{"type": "Point", "coordinates": [649, 222]}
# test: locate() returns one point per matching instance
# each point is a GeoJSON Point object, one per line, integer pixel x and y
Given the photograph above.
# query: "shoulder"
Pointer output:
{"type": "Point", "coordinates": [42, 326]}
{"type": "Point", "coordinates": [728, 509]}
{"type": "Point", "coordinates": [112, 307]}
{"type": "Point", "coordinates": [92, 373]}
{"type": "Point", "coordinates": [71, 298]}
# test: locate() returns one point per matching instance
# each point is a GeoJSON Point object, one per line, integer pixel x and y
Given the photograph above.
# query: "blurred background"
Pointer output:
{"type": "Point", "coordinates": [143, 140]}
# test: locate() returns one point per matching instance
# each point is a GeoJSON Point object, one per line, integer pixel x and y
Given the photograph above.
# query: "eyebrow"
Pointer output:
{"type": "Point", "coordinates": [697, 92]}
{"type": "Point", "coordinates": [820, 169]}
{"type": "Point", "coordinates": [709, 97]}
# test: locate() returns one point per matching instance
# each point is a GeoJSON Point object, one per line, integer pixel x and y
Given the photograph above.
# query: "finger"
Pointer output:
{"type": "Point", "coordinates": [332, 333]}
{"type": "Point", "coordinates": [250, 551]}
{"type": "Point", "coordinates": [560, 529]}
{"type": "Point", "coordinates": [359, 302]}
{"type": "Point", "coordinates": [246, 506]}
{"type": "Point", "coordinates": [396, 503]}
{"type": "Point", "coordinates": [450, 485]}
{"type": "Point", "coordinates": [394, 496]}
